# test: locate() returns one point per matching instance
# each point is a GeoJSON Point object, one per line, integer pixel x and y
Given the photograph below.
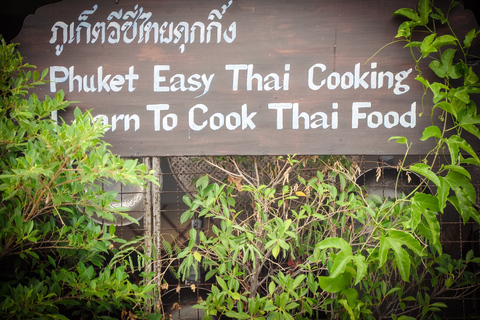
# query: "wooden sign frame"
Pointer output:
{"type": "Point", "coordinates": [246, 77]}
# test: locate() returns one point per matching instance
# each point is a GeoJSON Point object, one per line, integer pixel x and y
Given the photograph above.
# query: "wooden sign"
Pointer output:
{"type": "Point", "coordinates": [249, 77]}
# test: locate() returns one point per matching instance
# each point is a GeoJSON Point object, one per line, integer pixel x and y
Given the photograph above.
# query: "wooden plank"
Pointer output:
{"type": "Point", "coordinates": [282, 77]}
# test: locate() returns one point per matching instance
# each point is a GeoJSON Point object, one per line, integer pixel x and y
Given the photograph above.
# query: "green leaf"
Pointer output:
{"type": "Point", "coordinates": [444, 67]}
{"type": "Point", "coordinates": [432, 131]}
{"type": "Point", "coordinates": [425, 171]}
{"type": "Point", "coordinates": [334, 242]}
{"type": "Point", "coordinates": [455, 143]}
{"type": "Point", "coordinates": [202, 182]}
{"type": "Point", "coordinates": [447, 106]}
{"type": "Point", "coordinates": [186, 216]}
{"type": "Point", "coordinates": [407, 239]}
{"type": "Point", "coordinates": [298, 280]}
{"type": "Point", "coordinates": [291, 305]}
{"type": "Point", "coordinates": [427, 45]}
{"type": "Point", "coordinates": [469, 120]}
{"type": "Point", "coordinates": [362, 267]}
{"type": "Point", "coordinates": [407, 13]}
{"type": "Point", "coordinates": [197, 256]}
{"type": "Point", "coordinates": [445, 40]}
{"type": "Point", "coordinates": [276, 250]}
{"type": "Point", "coordinates": [438, 94]}
{"type": "Point", "coordinates": [469, 38]}
{"type": "Point", "coordinates": [344, 303]}
{"type": "Point", "coordinates": [340, 263]}
{"type": "Point", "coordinates": [394, 241]}
{"type": "Point", "coordinates": [237, 315]}
{"type": "Point", "coordinates": [400, 140]}
{"type": "Point", "coordinates": [424, 9]}
{"type": "Point", "coordinates": [459, 169]}
{"type": "Point", "coordinates": [448, 282]}
{"type": "Point", "coordinates": [334, 285]}
{"type": "Point", "coordinates": [438, 305]}
{"type": "Point", "coordinates": [465, 194]}
{"type": "Point", "coordinates": [403, 263]}
{"type": "Point", "coordinates": [413, 44]}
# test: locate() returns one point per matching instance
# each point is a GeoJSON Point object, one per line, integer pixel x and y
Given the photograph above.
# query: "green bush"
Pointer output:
{"type": "Point", "coordinates": [57, 263]}
{"type": "Point", "coordinates": [318, 246]}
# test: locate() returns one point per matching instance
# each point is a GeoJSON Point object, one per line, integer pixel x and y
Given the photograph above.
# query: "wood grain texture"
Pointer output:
{"type": "Point", "coordinates": [283, 43]}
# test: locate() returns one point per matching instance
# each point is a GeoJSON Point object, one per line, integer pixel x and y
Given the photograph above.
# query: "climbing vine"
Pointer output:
{"type": "Point", "coordinates": [312, 243]}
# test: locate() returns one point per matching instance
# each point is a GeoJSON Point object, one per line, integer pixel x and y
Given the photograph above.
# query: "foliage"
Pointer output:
{"type": "Point", "coordinates": [312, 244]}
{"type": "Point", "coordinates": [56, 261]}
{"type": "Point", "coordinates": [452, 96]}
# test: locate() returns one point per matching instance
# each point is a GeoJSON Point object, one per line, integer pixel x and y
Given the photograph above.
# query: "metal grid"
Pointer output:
{"type": "Point", "coordinates": [164, 207]}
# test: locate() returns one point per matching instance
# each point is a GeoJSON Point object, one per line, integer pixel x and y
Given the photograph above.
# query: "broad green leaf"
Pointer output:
{"type": "Point", "coordinates": [407, 13]}
{"type": "Point", "coordinates": [407, 239]}
{"type": "Point", "coordinates": [465, 194]}
{"type": "Point", "coordinates": [427, 45]}
{"type": "Point", "coordinates": [421, 204]}
{"type": "Point", "coordinates": [413, 44]}
{"type": "Point", "coordinates": [423, 81]}
{"type": "Point", "coordinates": [222, 283]}
{"type": "Point", "coordinates": [439, 91]}
{"type": "Point", "coordinates": [425, 171]}
{"type": "Point", "coordinates": [461, 94]}
{"type": "Point", "coordinates": [459, 169]}
{"type": "Point", "coordinates": [445, 67]}
{"type": "Point", "coordinates": [432, 131]}
{"type": "Point", "coordinates": [424, 9]}
{"type": "Point", "coordinates": [430, 229]}
{"type": "Point", "coordinates": [385, 247]}
{"type": "Point", "coordinates": [202, 182]}
{"type": "Point", "coordinates": [340, 263]}
{"type": "Point", "coordinates": [443, 191]}
{"type": "Point", "coordinates": [403, 263]}
{"type": "Point", "coordinates": [395, 240]}
{"type": "Point", "coordinates": [469, 120]}
{"type": "Point", "coordinates": [471, 79]}
{"type": "Point", "coordinates": [362, 267]}
{"type": "Point", "coordinates": [455, 143]}
{"type": "Point", "coordinates": [469, 38]}
{"type": "Point", "coordinates": [444, 41]}
{"type": "Point", "coordinates": [334, 285]}
{"type": "Point", "coordinates": [335, 242]}
{"type": "Point", "coordinates": [344, 303]}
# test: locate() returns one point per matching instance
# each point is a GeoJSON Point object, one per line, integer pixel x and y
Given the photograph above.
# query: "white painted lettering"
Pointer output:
{"type": "Point", "coordinates": [179, 82]}
{"type": "Point", "coordinates": [311, 73]}
{"type": "Point", "coordinates": [157, 79]}
{"type": "Point", "coordinates": [279, 107]}
{"type": "Point", "coordinates": [255, 80]}
{"type": "Point", "coordinates": [157, 117]}
{"type": "Point", "coordinates": [54, 79]}
{"type": "Point", "coordinates": [356, 115]}
{"type": "Point", "coordinates": [130, 77]}
{"type": "Point", "coordinates": [218, 120]}
{"type": "Point", "coordinates": [86, 83]}
{"type": "Point", "coordinates": [375, 119]}
{"type": "Point", "coordinates": [191, 117]}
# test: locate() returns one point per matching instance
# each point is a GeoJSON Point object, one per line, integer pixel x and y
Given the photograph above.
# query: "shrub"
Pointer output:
{"type": "Point", "coordinates": [56, 261]}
